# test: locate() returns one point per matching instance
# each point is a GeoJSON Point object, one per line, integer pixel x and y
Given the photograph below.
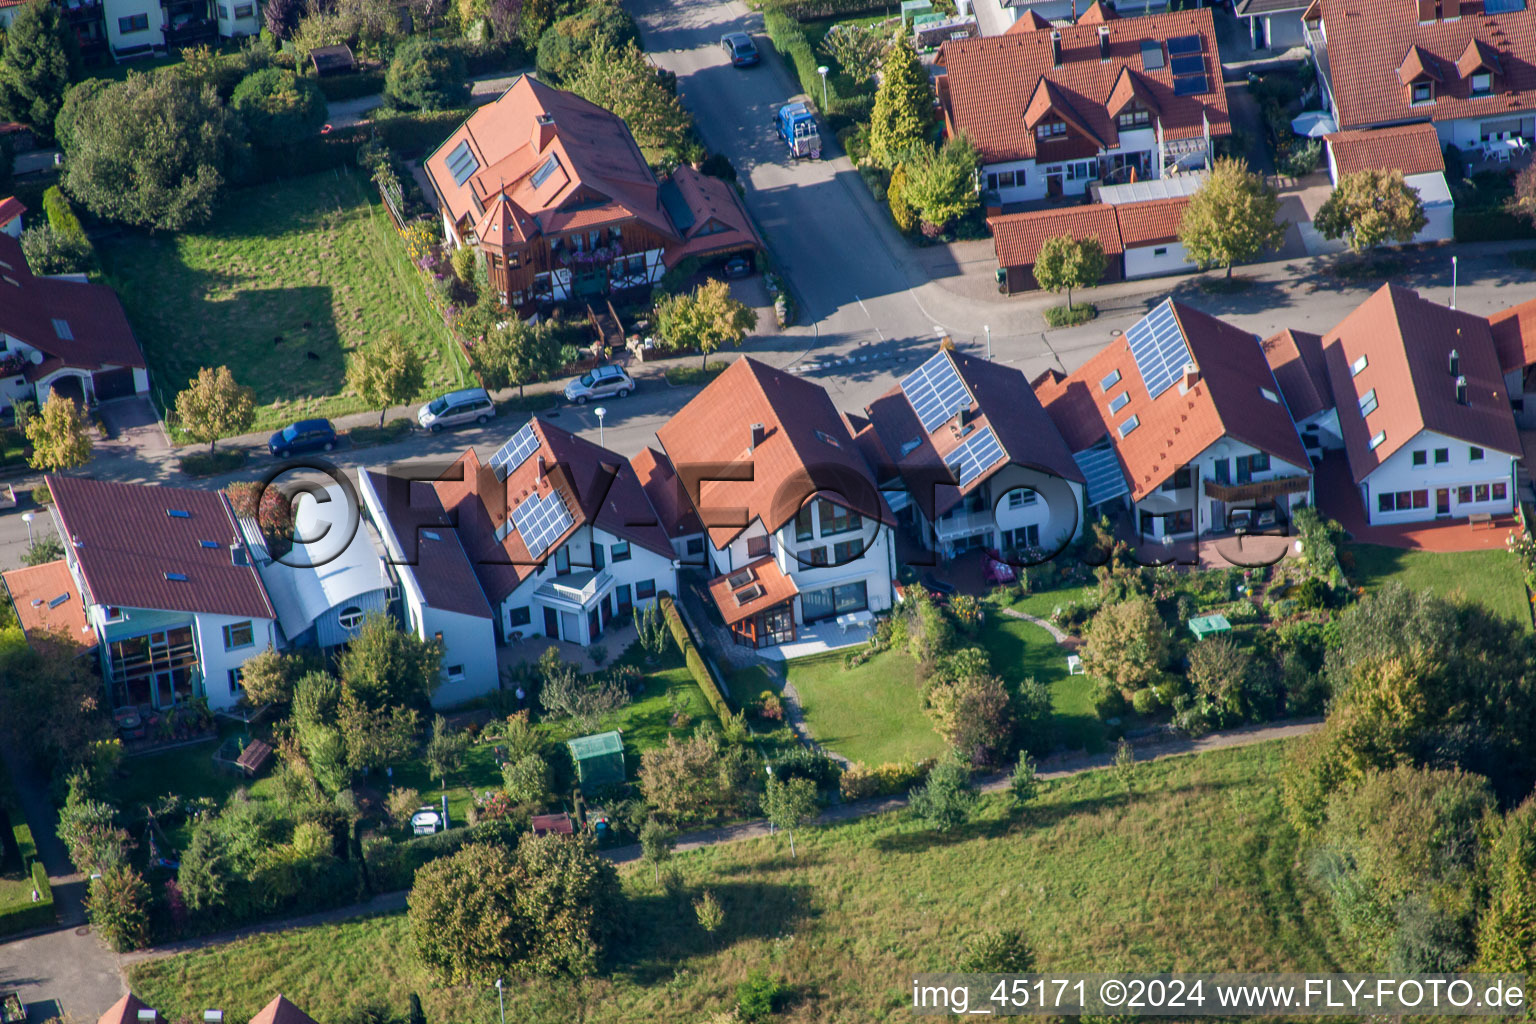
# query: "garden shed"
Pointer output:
{"type": "Point", "coordinates": [599, 759]}
{"type": "Point", "coordinates": [1209, 625]}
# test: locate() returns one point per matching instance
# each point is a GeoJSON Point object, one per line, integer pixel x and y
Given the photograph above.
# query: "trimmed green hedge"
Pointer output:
{"type": "Point", "coordinates": [1484, 225]}
{"type": "Point", "coordinates": [793, 45]}
{"type": "Point", "coordinates": [806, 10]}
{"type": "Point", "coordinates": [693, 659]}
{"type": "Point", "coordinates": [352, 87]}
{"type": "Point", "coordinates": [27, 916]}
{"type": "Point", "coordinates": [408, 134]}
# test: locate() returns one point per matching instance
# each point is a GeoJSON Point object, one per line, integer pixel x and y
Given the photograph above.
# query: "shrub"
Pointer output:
{"type": "Point", "coordinates": [119, 907]}
{"type": "Point", "coordinates": [426, 75]}
{"type": "Point", "coordinates": [859, 782]}
{"type": "Point", "coordinates": [567, 41]}
{"type": "Point", "coordinates": [278, 107]}
{"type": "Point", "coordinates": [1071, 316]}
{"type": "Point", "coordinates": [50, 252]}
{"type": "Point", "coordinates": [998, 952]}
{"type": "Point", "coordinates": [757, 996]}
{"type": "Point", "coordinates": [351, 87]}
{"type": "Point", "coordinates": [1108, 700]}
{"type": "Point", "coordinates": [801, 763]}
{"type": "Point", "coordinates": [948, 799]}
{"type": "Point", "coordinates": [392, 865]}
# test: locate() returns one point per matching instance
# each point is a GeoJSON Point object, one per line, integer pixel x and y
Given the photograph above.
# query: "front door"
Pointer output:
{"type": "Point", "coordinates": [1053, 185]}
{"type": "Point", "coordinates": [1443, 501]}
{"type": "Point", "coordinates": [551, 623]}
{"type": "Point", "coordinates": [1218, 515]}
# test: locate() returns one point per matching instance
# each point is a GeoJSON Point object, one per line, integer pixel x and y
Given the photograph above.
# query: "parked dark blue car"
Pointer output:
{"type": "Point", "coordinates": [303, 436]}
{"type": "Point", "coordinates": [738, 46]}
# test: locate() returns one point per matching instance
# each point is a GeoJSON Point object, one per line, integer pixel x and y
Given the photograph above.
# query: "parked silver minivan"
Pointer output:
{"type": "Point", "coordinates": [456, 408]}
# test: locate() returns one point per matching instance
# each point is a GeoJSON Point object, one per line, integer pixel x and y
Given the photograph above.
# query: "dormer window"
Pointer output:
{"type": "Point", "coordinates": [1482, 83]}
{"type": "Point", "coordinates": [1048, 129]}
{"type": "Point", "coordinates": [1134, 119]}
{"type": "Point", "coordinates": [1423, 92]}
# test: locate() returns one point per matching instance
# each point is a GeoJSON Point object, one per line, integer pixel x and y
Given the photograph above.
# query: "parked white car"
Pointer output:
{"type": "Point", "coordinates": [456, 408]}
{"type": "Point", "coordinates": [600, 382]}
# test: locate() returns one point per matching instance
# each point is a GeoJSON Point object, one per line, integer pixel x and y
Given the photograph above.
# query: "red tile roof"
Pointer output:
{"type": "Point", "coordinates": [1097, 14]}
{"type": "Point", "coordinates": [1375, 47]}
{"type": "Point", "coordinates": [1000, 399]}
{"type": "Point", "coordinates": [128, 543]}
{"type": "Point", "coordinates": [10, 209]}
{"type": "Point", "coordinates": [596, 486]}
{"type": "Point", "coordinates": [281, 1011]}
{"type": "Point", "coordinates": [1175, 427]}
{"type": "Point", "coordinates": [1296, 358]}
{"type": "Point", "coordinates": [720, 221]}
{"type": "Point", "coordinates": [29, 305]}
{"type": "Point", "coordinates": [666, 494]}
{"type": "Point", "coordinates": [1407, 341]}
{"type": "Point", "coordinates": [1029, 21]}
{"type": "Point", "coordinates": [1017, 237]}
{"type": "Point", "coordinates": [125, 1011]}
{"type": "Point", "coordinates": [806, 451]}
{"type": "Point", "coordinates": [1410, 148]}
{"type": "Point", "coordinates": [762, 586]}
{"type": "Point", "coordinates": [429, 544]}
{"type": "Point", "coordinates": [1154, 222]}
{"type": "Point", "coordinates": [35, 589]}
{"type": "Point", "coordinates": [992, 81]}
{"type": "Point", "coordinates": [1514, 335]}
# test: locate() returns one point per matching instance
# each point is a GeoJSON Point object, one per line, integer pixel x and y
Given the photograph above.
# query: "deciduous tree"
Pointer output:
{"type": "Point", "coordinates": [705, 319]}
{"type": "Point", "coordinates": [974, 715]}
{"type": "Point", "coordinates": [695, 778]}
{"type": "Point", "coordinates": [620, 78]}
{"type": "Point", "coordinates": [565, 43]}
{"type": "Point", "coordinates": [268, 677]}
{"type": "Point", "coordinates": [282, 17]}
{"type": "Point", "coordinates": [150, 151]}
{"type": "Point", "coordinates": [59, 436]}
{"type": "Point", "coordinates": [36, 65]}
{"type": "Point", "coordinates": [1506, 928]}
{"type": "Point", "coordinates": [940, 185]}
{"type": "Point", "coordinates": [426, 74]}
{"type": "Point", "coordinates": [386, 372]}
{"type": "Point", "coordinates": [52, 701]}
{"type": "Point", "coordinates": [509, 351]}
{"type": "Point", "coordinates": [446, 750]}
{"type": "Point", "coordinates": [384, 666]}
{"type": "Point", "coordinates": [789, 804]}
{"type": "Point", "coordinates": [278, 107]}
{"type": "Point", "coordinates": [903, 108]}
{"type": "Point", "coordinates": [1232, 218]}
{"type": "Point", "coordinates": [1370, 207]}
{"type": "Point", "coordinates": [1064, 263]}
{"type": "Point", "coordinates": [214, 406]}
{"type": "Point", "coordinates": [656, 844]}
{"type": "Point", "coordinates": [1126, 643]}
{"type": "Point", "coordinates": [948, 799]}
{"type": "Point", "coordinates": [858, 49]}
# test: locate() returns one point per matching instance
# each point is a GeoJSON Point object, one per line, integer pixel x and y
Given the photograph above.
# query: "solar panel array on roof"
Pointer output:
{"type": "Point", "coordinates": [1179, 45]}
{"type": "Point", "coordinates": [541, 521]}
{"type": "Point", "coordinates": [1503, 6]}
{"type": "Point", "coordinates": [1151, 55]}
{"type": "Point", "coordinates": [462, 163]}
{"type": "Point", "coordinates": [1187, 65]}
{"type": "Point", "coordinates": [935, 391]}
{"type": "Point", "coordinates": [1101, 469]}
{"type": "Point", "coordinates": [1159, 347]}
{"type": "Point", "coordinates": [512, 454]}
{"type": "Point", "coordinates": [979, 453]}
{"type": "Point", "coordinates": [1191, 85]}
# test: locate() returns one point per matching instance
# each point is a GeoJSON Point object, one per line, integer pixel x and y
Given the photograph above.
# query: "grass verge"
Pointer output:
{"type": "Point", "coordinates": [214, 463]}
{"type": "Point", "coordinates": [1198, 871]}
{"type": "Point", "coordinates": [394, 430]}
{"type": "Point", "coordinates": [1070, 316]}
{"type": "Point", "coordinates": [694, 376]}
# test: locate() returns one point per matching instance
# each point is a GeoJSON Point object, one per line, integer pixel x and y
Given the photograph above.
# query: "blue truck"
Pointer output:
{"type": "Point", "coordinates": [797, 127]}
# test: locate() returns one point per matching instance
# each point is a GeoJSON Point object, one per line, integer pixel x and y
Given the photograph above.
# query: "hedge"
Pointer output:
{"type": "Point", "coordinates": [693, 659]}
{"type": "Point", "coordinates": [791, 42]}
{"type": "Point", "coordinates": [1474, 225]}
{"type": "Point", "coordinates": [408, 134]}
{"type": "Point", "coordinates": [806, 10]}
{"type": "Point", "coordinates": [61, 217]}
{"type": "Point", "coordinates": [26, 916]}
{"type": "Point", "coordinates": [351, 87]}
{"type": "Point", "coordinates": [392, 865]}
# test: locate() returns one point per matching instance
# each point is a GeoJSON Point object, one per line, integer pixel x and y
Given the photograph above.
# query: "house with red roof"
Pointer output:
{"type": "Point", "coordinates": [11, 210]}
{"type": "Point", "coordinates": [1140, 238]}
{"type": "Point", "coordinates": [967, 458]}
{"type": "Point", "coordinates": [557, 534]}
{"type": "Point", "coordinates": [556, 196]}
{"type": "Point", "coordinates": [1423, 410]}
{"type": "Point", "coordinates": [795, 527]}
{"type": "Point", "coordinates": [1055, 110]}
{"type": "Point", "coordinates": [1467, 67]}
{"type": "Point", "coordinates": [168, 586]}
{"type": "Point", "coordinates": [1183, 417]}
{"type": "Point", "coordinates": [61, 335]}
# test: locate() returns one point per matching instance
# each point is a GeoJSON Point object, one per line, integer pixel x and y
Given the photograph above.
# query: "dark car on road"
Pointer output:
{"type": "Point", "coordinates": [303, 436]}
{"type": "Point", "coordinates": [740, 48]}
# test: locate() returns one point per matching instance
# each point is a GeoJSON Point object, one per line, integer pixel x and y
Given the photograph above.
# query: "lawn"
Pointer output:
{"type": "Point", "coordinates": [286, 280]}
{"type": "Point", "coordinates": [1491, 578]}
{"type": "Point", "coordinates": [1020, 650]}
{"type": "Point", "coordinates": [872, 713]}
{"type": "Point", "coordinates": [1041, 604]}
{"type": "Point", "coordinates": [1198, 872]}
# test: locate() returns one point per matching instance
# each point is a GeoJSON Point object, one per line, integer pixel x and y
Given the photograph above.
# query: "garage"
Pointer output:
{"type": "Point", "coordinates": [1017, 238]}
{"type": "Point", "coordinates": [112, 384]}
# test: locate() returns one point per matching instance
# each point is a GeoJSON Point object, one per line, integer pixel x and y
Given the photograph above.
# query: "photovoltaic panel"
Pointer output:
{"type": "Point", "coordinates": [935, 391]}
{"type": "Point", "coordinates": [1181, 45]}
{"type": "Point", "coordinates": [1503, 6]}
{"type": "Point", "coordinates": [979, 454]}
{"type": "Point", "coordinates": [1191, 85]}
{"type": "Point", "coordinates": [1187, 65]}
{"type": "Point", "coordinates": [1101, 469]}
{"type": "Point", "coordinates": [1159, 347]}
{"type": "Point", "coordinates": [541, 521]}
{"type": "Point", "coordinates": [512, 454]}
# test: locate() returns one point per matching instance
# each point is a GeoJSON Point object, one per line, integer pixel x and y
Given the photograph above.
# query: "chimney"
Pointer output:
{"type": "Point", "coordinates": [543, 131]}
{"type": "Point", "coordinates": [1461, 391]}
{"type": "Point", "coordinates": [1055, 48]}
{"type": "Point", "coordinates": [1455, 363]}
{"type": "Point", "coordinates": [1190, 379]}
{"type": "Point", "coordinates": [759, 432]}
{"type": "Point", "coordinates": [1427, 11]}
{"type": "Point", "coordinates": [1103, 43]}
{"type": "Point", "coordinates": [541, 469]}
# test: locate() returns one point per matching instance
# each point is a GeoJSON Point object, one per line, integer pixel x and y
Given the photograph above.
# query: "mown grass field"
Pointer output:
{"type": "Point", "coordinates": [1198, 871]}
{"type": "Point", "coordinates": [313, 261]}
{"type": "Point", "coordinates": [1491, 578]}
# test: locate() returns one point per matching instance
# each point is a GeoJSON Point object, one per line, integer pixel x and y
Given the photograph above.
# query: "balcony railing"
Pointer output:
{"type": "Point", "coordinates": [963, 524]}
{"type": "Point", "coordinates": [580, 588]}
{"type": "Point", "coordinates": [1258, 490]}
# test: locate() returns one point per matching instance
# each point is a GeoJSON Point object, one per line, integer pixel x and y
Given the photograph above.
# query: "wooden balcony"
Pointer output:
{"type": "Point", "coordinates": [1259, 490]}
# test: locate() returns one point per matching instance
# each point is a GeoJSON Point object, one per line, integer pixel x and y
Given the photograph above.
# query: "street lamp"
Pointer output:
{"type": "Point", "coordinates": [1453, 282]}
{"type": "Point", "coordinates": [27, 518]}
{"type": "Point", "coordinates": [822, 71]}
{"type": "Point", "coordinates": [988, 329]}
{"type": "Point", "coordinates": [600, 412]}
{"type": "Point", "coordinates": [501, 1000]}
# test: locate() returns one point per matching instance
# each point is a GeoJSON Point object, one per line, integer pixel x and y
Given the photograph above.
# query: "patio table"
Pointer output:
{"type": "Point", "coordinates": [854, 619]}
